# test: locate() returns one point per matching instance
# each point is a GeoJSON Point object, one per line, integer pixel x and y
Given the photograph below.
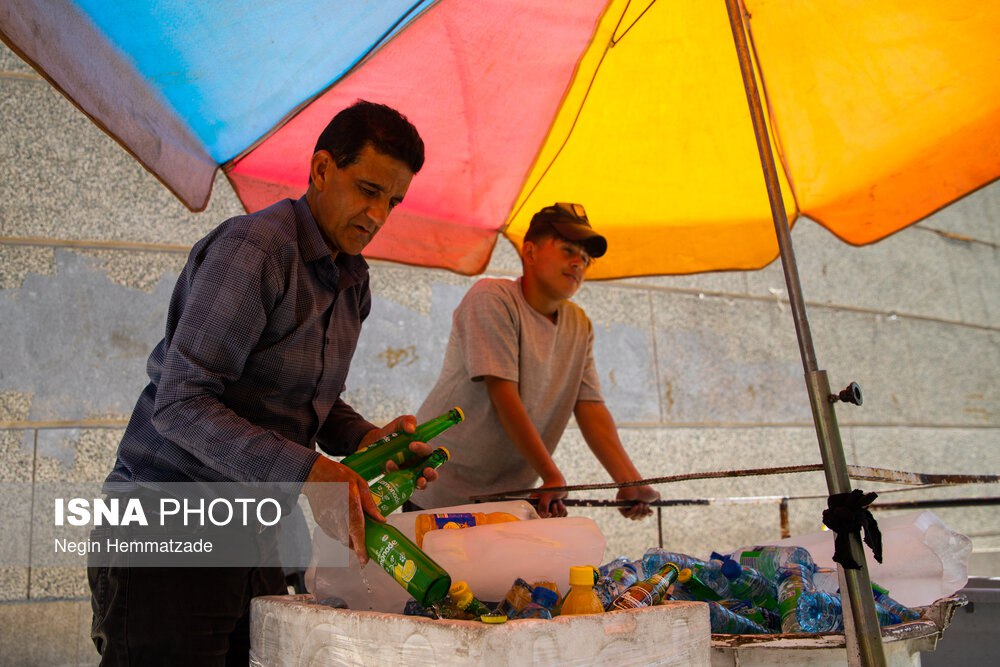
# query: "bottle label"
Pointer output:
{"type": "Point", "coordinates": [382, 489]}
{"type": "Point", "coordinates": [454, 520]}
{"type": "Point", "coordinates": [750, 559]}
{"type": "Point", "coordinates": [393, 560]}
{"type": "Point", "coordinates": [633, 599]}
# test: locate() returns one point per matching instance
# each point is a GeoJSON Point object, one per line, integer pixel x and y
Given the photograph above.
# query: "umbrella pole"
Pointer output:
{"type": "Point", "coordinates": [861, 629]}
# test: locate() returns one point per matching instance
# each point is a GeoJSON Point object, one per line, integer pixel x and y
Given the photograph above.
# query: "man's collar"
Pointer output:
{"type": "Point", "coordinates": [311, 242]}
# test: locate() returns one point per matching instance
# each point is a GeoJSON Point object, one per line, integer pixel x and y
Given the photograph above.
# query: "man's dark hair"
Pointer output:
{"type": "Point", "coordinates": [387, 130]}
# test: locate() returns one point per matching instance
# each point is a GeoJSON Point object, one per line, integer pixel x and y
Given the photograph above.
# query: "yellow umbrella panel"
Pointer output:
{"type": "Point", "coordinates": [880, 113]}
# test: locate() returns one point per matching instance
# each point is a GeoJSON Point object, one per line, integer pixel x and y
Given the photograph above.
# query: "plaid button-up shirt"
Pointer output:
{"type": "Point", "coordinates": [260, 333]}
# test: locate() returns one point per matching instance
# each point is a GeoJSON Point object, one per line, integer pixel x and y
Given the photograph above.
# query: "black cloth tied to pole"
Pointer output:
{"type": "Point", "coordinates": [848, 514]}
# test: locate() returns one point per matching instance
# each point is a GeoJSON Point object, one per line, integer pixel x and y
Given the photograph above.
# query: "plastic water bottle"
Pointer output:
{"type": "Point", "coordinates": [709, 572]}
{"type": "Point", "coordinates": [770, 561]}
{"type": "Point", "coordinates": [679, 592]}
{"type": "Point", "coordinates": [543, 601]}
{"type": "Point", "coordinates": [581, 598]}
{"type": "Point", "coordinates": [749, 584]}
{"type": "Point", "coordinates": [766, 618]}
{"type": "Point", "coordinates": [556, 608]}
{"type": "Point", "coordinates": [654, 559]}
{"type": "Point", "coordinates": [517, 598]}
{"type": "Point", "coordinates": [886, 617]}
{"type": "Point", "coordinates": [817, 611]}
{"type": "Point", "coordinates": [622, 570]}
{"type": "Point", "coordinates": [649, 591]}
{"type": "Point", "coordinates": [823, 612]}
{"type": "Point", "coordinates": [795, 580]}
{"type": "Point", "coordinates": [370, 461]}
{"type": "Point", "coordinates": [893, 606]}
{"type": "Point", "coordinates": [615, 578]}
{"type": "Point", "coordinates": [607, 590]}
{"type": "Point", "coordinates": [724, 621]}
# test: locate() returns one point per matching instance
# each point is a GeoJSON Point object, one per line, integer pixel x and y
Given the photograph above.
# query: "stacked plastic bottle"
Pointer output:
{"type": "Point", "coordinates": [747, 583]}
{"type": "Point", "coordinates": [892, 606]}
{"type": "Point", "coordinates": [724, 621]}
{"type": "Point", "coordinates": [767, 618]}
{"type": "Point", "coordinates": [791, 603]}
{"type": "Point", "coordinates": [615, 577]}
{"type": "Point", "coordinates": [709, 572]}
{"type": "Point", "coordinates": [517, 598]}
{"type": "Point", "coordinates": [542, 605]}
{"type": "Point", "coordinates": [769, 587]}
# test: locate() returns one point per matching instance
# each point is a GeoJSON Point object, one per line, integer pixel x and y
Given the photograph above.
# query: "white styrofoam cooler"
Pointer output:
{"type": "Point", "coordinates": [294, 631]}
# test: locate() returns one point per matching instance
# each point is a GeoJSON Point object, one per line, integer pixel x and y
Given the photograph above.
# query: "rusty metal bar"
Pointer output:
{"type": "Point", "coordinates": [939, 502]}
{"type": "Point", "coordinates": [659, 526]}
{"type": "Point", "coordinates": [783, 517]}
{"type": "Point", "coordinates": [673, 502]}
{"type": "Point", "coordinates": [916, 478]}
{"type": "Point", "coordinates": [854, 472]}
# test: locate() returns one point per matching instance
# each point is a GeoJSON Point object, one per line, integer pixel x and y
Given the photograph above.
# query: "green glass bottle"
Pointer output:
{"type": "Point", "coordinates": [698, 589]}
{"type": "Point", "coordinates": [396, 487]}
{"type": "Point", "coordinates": [370, 461]}
{"type": "Point", "coordinates": [463, 605]}
{"type": "Point", "coordinates": [649, 591]}
{"type": "Point", "coordinates": [412, 569]}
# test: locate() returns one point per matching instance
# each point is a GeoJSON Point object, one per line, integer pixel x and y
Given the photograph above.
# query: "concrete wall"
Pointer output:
{"type": "Point", "coordinates": [701, 372]}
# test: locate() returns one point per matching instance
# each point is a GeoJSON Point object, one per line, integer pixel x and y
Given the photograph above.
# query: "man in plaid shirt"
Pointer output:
{"type": "Point", "coordinates": [261, 329]}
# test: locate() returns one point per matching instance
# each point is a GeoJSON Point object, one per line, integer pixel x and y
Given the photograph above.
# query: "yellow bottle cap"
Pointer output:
{"type": "Point", "coordinates": [461, 415]}
{"type": "Point", "coordinates": [493, 618]}
{"type": "Point", "coordinates": [459, 589]}
{"type": "Point", "coordinates": [447, 454]}
{"type": "Point", "coordinates": [684, 575]}
{"type": "Point", "coordinates": [581, 575]}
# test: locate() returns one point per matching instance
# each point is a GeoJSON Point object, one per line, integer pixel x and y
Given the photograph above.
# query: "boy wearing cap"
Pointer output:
{"type": "Point", "coordinates": [520, 362]}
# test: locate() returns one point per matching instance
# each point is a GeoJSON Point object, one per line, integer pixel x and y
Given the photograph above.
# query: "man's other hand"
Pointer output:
{"type": "Point", "coordinates": [325, 502]}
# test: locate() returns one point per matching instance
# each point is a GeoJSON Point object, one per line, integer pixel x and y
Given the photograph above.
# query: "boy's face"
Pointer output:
{"type": "Point", "coordinates": [559, 266]}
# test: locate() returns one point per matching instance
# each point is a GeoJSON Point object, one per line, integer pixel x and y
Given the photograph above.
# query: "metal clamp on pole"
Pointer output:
{"type": "Point", "coordinates": [850, 394]}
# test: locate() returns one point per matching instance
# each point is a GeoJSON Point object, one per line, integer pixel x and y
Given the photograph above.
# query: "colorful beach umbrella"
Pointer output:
{"type": "Point", "coordinates": [879, 112]}
{"type": "Point", "coordinates": [871, 115]}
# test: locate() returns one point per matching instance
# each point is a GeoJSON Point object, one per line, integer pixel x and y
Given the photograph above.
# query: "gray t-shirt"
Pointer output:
{"type": "Point", "coordinates": [495, 332]}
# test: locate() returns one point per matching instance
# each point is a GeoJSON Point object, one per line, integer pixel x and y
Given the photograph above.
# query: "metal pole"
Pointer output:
{"type": "Point", "coordinates": [866, 640]}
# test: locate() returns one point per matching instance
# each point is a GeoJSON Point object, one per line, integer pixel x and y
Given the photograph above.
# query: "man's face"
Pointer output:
{"type": "Point", "coordinates": [559, 266]}
{"type": "Point", "coordinates": [351, 204]}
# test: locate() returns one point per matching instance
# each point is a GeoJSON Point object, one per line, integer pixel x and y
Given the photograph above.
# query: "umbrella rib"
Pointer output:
{"type": "Point", "coordinates": [378, 43]}
{"type": "Point", "coordinates": [615, 40]}
{"type": "Point", "coordinates": [774, 133]}
{"type": "Point", "coordinates": [576, 117]}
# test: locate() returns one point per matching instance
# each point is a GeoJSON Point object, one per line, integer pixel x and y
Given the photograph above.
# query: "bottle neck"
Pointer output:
{"type": "Point", "coordinates": [435, 427]}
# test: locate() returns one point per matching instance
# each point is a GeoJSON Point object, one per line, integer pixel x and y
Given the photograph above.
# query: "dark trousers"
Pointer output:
{"type": "Point", "coordinates": [177, 616]}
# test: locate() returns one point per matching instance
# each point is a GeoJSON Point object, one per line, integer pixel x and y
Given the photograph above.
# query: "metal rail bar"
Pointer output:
{"type": "Point", "coordinates": [855, 472]}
